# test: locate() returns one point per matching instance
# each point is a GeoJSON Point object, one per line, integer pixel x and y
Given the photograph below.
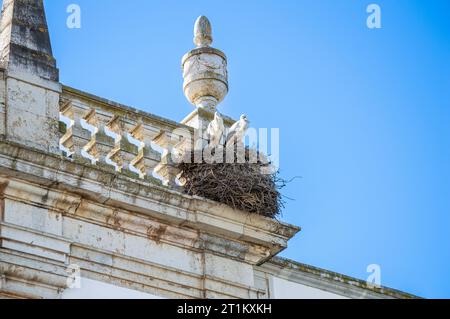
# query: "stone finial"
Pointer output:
{"type": "Point", "coordinates": [205, 69]}
{"type": "Point", "coordinates": [202, 32]}
{"type": "Point", "coordinates": [25, 41]}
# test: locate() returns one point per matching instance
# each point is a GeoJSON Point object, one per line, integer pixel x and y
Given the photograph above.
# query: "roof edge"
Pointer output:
{"type": "Point", "coordinates": [284, 264]}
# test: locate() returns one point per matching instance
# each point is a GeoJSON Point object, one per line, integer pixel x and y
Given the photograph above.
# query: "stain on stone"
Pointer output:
{"type": "Point", "coordinates": [114, 220]}
{"type": "Point", "coordinates": [155, 233]}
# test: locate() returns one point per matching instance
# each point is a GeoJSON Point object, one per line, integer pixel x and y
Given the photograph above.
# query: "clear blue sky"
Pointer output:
{"type": "Point", "coordinates": [364, 114]}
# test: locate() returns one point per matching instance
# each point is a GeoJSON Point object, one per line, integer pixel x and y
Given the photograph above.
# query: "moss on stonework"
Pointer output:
{"type": "Point", "coordinates": [62, 127]}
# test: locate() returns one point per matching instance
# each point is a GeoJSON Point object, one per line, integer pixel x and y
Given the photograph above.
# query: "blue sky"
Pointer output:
{"type": "Point", "coordinates": [364, 115]}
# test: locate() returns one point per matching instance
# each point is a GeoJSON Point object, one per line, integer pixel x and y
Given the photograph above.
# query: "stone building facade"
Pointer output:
{"type": "Point", "coordinates": [79, 197]}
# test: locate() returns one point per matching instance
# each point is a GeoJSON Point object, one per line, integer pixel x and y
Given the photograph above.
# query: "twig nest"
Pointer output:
{"type": "Point", "coordinates": [242, 183]}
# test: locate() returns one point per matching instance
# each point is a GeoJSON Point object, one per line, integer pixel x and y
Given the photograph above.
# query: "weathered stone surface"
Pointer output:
{"type": "Point", "coordinates": [33, 217]}
{"type": "Point", "coordinates": [205, 69]}
{"type": "Point", "coordinates": [200, 119]}
{"type": "Point", "coordinates": [93, 289]}
{"type": "Point", "coordinates": [25, 41]}
{"type": "Point", "coordinates": [283, 278]}
{"type": "Point", "coordinates": [32, 115]}
{"type": "Point", "coordinates": [29, 92]}
{"type": "Point", "coordinates": [229, 270]}
{"type": "Point", "coordinates": [32, 242]}
{"type": "Point", "coordinates": [2, 104]}
{"type": "Point", "coordinates": [158, 202]}
{"type": "Point", "coordinates": [175, 254]}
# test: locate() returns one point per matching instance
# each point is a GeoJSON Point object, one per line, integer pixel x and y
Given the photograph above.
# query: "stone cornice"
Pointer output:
{"type": "Point", "coordinates": [157, 201]}
{"type": "Point", "coordinates": [329, 281]}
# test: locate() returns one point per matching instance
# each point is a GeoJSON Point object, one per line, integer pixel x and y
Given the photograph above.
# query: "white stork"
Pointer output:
{"type": "Point", "coordinates": [215, 130]}
{"type": "Point", "coordinates": [238, 130]}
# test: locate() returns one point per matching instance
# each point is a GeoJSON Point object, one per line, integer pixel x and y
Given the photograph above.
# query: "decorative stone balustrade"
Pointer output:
{"type": "Point", "coordinates": [99, 132]}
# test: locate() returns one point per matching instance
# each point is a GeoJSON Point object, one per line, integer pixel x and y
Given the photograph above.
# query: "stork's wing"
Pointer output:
{"type": "Point", "coordinates": [220, 125]}
{"type": "Point", "coordinates": [233, 130]}
{"type": "Point", "coordinates": [210, 129]}
{"type": "Point", "coordinates": [215, 129]}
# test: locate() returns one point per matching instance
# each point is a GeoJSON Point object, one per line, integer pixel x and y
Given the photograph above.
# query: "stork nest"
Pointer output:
{"type": "Point", "coordinates": [245, 185]}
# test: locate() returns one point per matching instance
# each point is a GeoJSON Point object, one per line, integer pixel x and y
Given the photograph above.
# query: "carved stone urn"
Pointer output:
{"type": "Point", "coordinates": [205, 69]}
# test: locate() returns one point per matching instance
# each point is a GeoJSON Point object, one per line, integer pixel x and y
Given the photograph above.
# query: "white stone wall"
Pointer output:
{"type": "Point", "coordinates": [92, 289]}
{"type": "Point", "coordinates": [44, 231]}
{"type": "Point", "coordinates": [285, 289]}
{"type": "Point", "coordinates": [32, 116]}
{"type": "Point", "coordinates": [2, 104]}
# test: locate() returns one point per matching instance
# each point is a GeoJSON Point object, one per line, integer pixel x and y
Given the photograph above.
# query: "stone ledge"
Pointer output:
{"type": "Point", "coordinates": [330, 281]}
{"type": "Point", "coordinates": [33, 80]}
{"type": "Point", "coordinates": [157, 201]}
